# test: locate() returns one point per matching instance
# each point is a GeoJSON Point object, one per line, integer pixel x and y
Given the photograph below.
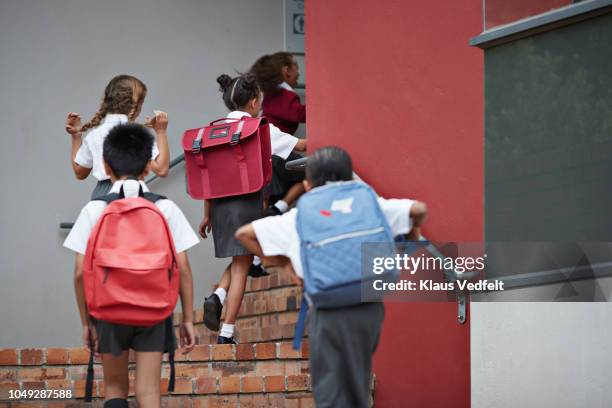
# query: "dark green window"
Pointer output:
{"type": "Point", "coordinates": [548, 135]}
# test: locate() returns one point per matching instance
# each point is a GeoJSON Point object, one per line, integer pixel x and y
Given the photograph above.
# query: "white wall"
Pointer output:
{"type": "Point", "coordinates": [541, 355]}
{"type": "Point", "coordinates": [57, 56]}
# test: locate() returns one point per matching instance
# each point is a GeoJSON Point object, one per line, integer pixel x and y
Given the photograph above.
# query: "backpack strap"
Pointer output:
{"type": "Point", "coordinates": [170, 349]}
{"type": "Point", "coordinates": [301, 324]}
{"type": "Point", "coordinates": [109, 198]}
{"type": "Point", "coordinates": [147, 195]}
{"type": "Point", "coordinates": [90, 372]}
{"type": "Point", "coordinates": [152, 197]}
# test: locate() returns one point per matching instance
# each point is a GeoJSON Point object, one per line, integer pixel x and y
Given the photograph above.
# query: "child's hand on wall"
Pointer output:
{"type": "Point", "coordinates": [159, 122]}
{"type": "Point", "coordinates": [73, 123]}
{"type": "Point", "coordinates": [414, 234]}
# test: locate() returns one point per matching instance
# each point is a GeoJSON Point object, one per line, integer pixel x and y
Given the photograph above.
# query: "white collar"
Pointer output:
{"type": "Point", "coordinates": [115, 118]}
{"type": "Point", "coordinates": [286, 86]}
{"type": "Point", "coordinates": [130, 189]}
{"type": "Point", "coordinates": [237, 114]}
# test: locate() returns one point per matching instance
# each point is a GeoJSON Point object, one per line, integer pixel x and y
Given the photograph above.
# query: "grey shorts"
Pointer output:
{"type": "Point", "coordinates": [116, 338]}
{"type": "Point", "coordinates": [342, 342]}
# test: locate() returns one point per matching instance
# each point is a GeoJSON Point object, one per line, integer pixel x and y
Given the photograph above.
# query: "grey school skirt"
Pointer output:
{"type": "Point", "coordinates": [230, 213]}
{"type": "Point", "coordinates": [102, 188]}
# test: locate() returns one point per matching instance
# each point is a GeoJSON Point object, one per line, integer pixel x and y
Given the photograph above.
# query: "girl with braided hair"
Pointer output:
{"type": "Point", "coordinates": [122, 102]}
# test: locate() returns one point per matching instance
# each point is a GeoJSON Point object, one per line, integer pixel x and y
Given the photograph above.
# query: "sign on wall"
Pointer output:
{"type": "Point", "coordinates": [294, 26]}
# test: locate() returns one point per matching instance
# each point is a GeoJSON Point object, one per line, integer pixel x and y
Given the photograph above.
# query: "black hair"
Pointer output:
{"type": "Point", "coordinates": [329, 163]}
{"type": "Point", "coordinates": [237, 92]}
{"type": "Point", "coordinates": [127, 149]}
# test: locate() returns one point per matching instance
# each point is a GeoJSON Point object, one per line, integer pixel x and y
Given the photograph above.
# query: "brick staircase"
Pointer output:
{"type": "Point", "coordinates": [262, 371]}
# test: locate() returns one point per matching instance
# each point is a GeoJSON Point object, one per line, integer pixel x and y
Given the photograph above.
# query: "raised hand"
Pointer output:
{"type": "Point", "coordinates": [159, 122]}
{"type": "Point", "coordinates": [73, 123]}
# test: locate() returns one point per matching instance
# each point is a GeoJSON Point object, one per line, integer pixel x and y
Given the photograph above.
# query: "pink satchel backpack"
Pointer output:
{"type": "Point", "coordinates": [228, 157]}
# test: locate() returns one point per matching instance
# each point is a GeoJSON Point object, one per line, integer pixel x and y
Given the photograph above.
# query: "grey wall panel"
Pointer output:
{"type": "Point", "coordinates": [57, 57]}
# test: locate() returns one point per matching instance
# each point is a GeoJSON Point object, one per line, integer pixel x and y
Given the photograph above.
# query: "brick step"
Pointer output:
{"type": "Point", "coordinates": [268, 315]}
{"type": "Point", "coordinates": [209, 370]}
{"type": "Point", "coordinates": [276, 279]}
{"type": "Point", "coordinates": [255, 329]}
{"type": "Point", "coordinates": [265, 314]}
{"type": "Point", "coordinates": [269, 301]}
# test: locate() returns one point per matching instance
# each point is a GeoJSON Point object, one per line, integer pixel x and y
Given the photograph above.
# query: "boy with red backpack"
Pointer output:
{"type": "Point", "coordinates": [131, 266]}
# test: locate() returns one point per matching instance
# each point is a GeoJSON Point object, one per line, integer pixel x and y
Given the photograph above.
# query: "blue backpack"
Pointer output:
{"type": "Point", "coordinates": [333, 221]}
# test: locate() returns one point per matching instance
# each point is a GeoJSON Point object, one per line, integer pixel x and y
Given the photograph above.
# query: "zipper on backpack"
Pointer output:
{"type": "Point", "coordinates": [348, 235]}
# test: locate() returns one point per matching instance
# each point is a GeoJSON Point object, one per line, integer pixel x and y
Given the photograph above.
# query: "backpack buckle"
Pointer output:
{"type": "Point", "coordinates": [196, 146]}
{"type": "Point", "coordinates": [235, 139]}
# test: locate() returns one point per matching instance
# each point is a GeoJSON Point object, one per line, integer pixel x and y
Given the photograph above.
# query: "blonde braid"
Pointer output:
{"type": "Point", "coordinates": [131, 115]}
{"type": "Point", "coordinates": [97, 118]}
{"type": "Point", "coordinates": [118, 98]}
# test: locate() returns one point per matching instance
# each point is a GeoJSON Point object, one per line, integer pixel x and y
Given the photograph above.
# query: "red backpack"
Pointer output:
{"type": "Point", "coordinates": [130, 273]}
{"type": "Point", "coordinates": [229, 158]}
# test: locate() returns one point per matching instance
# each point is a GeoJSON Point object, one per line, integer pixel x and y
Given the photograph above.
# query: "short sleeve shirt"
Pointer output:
{"type": "Point", "coordinates": [89, 154]}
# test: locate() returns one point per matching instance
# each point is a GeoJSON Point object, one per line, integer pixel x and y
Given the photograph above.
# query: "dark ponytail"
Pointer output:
{"type": "Point", "coordinates": [237, 92]}
{"type": "Point", "coordinates": [269, 70]}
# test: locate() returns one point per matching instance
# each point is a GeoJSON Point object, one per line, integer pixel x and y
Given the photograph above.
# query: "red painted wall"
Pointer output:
{"type": "Point", "coordinates": [396, 84]}
{"type": "Point", "coordinates": [507, 11]}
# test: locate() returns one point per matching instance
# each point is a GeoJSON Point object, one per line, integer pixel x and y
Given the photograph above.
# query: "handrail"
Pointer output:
{"type": "Point", "coordinates": [297, 164]}
{"type": "Point", "coordinates": [178, 159]}
{"type": "Point", "coordinates": [173, 163]}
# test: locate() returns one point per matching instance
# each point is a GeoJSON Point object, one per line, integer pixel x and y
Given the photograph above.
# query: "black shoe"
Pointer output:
{"type": "Point", "coordinates": [212, 312]}
{"type": "Point", "coordinates": [257, 271]}
{"type": "Point", "coordinates": [226, 340]}
{"type": "Point", "coordinates": [272, 211]}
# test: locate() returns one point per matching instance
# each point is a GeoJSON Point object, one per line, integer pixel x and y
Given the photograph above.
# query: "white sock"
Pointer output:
{"type": "Point", "coordinates": [256, 260]}
{"type": "Point", "coordinates": [282, 206]}
{"type": "Point", "coordinates": [227, 330]}
{"type": "Point", "coordinates": [221, 293]}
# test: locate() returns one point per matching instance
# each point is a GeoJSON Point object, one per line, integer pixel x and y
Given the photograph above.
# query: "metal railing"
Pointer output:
{"type": "Point", "coordinates": [173, 163]}
{"type": "Point", "coordinates": [297, 165]}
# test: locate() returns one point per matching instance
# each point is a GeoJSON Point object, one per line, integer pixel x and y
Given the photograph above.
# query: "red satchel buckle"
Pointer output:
{"type": "Point", "coordinates": [196, 146]}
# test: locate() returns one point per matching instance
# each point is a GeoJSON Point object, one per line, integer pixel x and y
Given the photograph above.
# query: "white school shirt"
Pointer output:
{"type": "Point", "coordinates": [278, 235]}
{"type": "Point", "coordinates": [182, 234]}
{"type": "Point", "coordinates": [282, 143]}
{"type": "Point", "coordinates": [90, 152]}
